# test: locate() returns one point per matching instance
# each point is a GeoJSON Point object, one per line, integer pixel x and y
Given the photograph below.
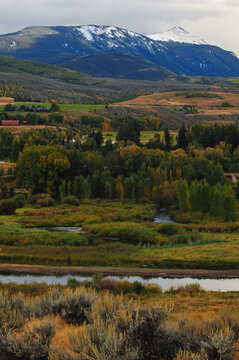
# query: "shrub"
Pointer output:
{"type": "Point", "coordinates": [7, 207]}
{"type": "Point", "coordinates": [126, 232]}
{"type": "Point", "coordinates": [33, 343]}
{"type": "Point", "coordinates": [138, 287]}
{"type": "Point", "coordinates": [100, 341]}
{"type": "Point", "coordinates": [72, 282]}
{"type": "Point", "coordinates": [45, 202]}
{"type": "Point", "coordinates": [73, 307]}
{"type": "Point", "coordinates": [188, 355]}
{"type": "Point", "coordinates": [108, 284]}
{"type": "Point", "coordinates": [226, 104]}
{"type": "Point", "coordinates": [190, 238]}
{"type": "Point", "coordinates": [169, 229]}
{"type": "Point", "coordinates": [123, 287]}
{"type": "Point", "coordinates": [93, 220]}
{"type": "Point", "coordinates": [71, 200]}
{"type": "Point", "coordinates": [19, 200]}
{"type": "Point", "coordinates": [188, 288]}
{"type": "Point", "coordinates": [33, 199]}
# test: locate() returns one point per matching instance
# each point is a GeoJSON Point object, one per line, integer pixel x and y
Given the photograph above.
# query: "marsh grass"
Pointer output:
{"type": "Point", "coordinates": [122, 237]}
{"type": "Point", "coordinates": [127, 232]}
{"type": "Point", "coordinates": [16, 235]}
{"type": "Point", "coordinates": [75, 216]}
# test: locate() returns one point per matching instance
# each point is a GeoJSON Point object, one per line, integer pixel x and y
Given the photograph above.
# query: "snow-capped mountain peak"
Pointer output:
{"type": "Point", "coordinates": [237, 54]}
{"type": "Point", "coordinates": [112, 38]}
{"type": "Point", "coordinates": [177, 34]}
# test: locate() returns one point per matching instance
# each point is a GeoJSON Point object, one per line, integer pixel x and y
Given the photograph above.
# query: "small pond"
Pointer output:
{"type": "Point", "coordinates": [64, 228]}
{"type": "Point", "coordinates": [163, 218]}
{"type": "Point", "coordinates": [223, 285]}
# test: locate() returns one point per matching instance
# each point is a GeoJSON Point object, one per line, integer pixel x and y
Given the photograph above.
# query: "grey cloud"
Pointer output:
{"type": "Point", "coordinates": [143, 16]}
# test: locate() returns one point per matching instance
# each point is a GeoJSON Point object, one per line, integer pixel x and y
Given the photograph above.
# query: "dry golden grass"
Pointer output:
{"type": "Point", "coordinates": [6, 100]}
{"type": "Point", "coordinates": [210, 106]}
{"type": "Point", "coordinates": [24, 128]}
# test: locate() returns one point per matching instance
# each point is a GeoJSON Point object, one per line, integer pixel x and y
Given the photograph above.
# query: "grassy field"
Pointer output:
{"type": "Point", "coordinates": [65, 107]}
{"type": "Point", "coordinates": [145, 136]}
{"type": "Point", "coordinates": [113, 234]}
{"type": "Point", "coordinates": [208, 103]}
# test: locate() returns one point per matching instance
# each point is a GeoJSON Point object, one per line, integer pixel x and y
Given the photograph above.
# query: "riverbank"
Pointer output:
{"type": "Point", "coordinates": [119, 271]}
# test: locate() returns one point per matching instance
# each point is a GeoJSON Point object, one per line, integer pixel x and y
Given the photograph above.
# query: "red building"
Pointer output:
{"type": "Point", "coordinates": [10, 122]}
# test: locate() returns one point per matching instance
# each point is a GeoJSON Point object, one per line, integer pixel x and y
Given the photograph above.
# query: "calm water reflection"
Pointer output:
{"type": "Point", "coordinates": [223, 285]}
{"type": "Point", "coordinates": [163, 218]}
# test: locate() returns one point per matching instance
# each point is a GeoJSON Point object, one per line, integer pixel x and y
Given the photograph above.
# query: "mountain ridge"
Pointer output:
{"type": "Point", "coordinates": [63, 45]}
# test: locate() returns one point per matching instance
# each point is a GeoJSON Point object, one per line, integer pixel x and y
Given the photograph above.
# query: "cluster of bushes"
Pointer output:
{"type": "Point", "coordinates": [126, 232]}
{"type": "Point", "coordinates": [117, 287]}
{"type": "Point", "coordinates": [191, 238]}
{"type": "Point", "coordinates": [41, 238]}
{"type": "Point", "coordinates": [41, 200]}
{"type": "Point", "coordinates": [168, 229]}
{"type": "Point", "coordinates": [9, 206]}
{"type": "Point", "coordinates": [83, 324]}
{"type": "Point", "coordinates": [71, 200]}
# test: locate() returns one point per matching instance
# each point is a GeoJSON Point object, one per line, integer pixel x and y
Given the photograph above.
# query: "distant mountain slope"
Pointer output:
{"type": "Point", "coordinates": [17, 66]}
{"type": "Point", "coordinates": [208, 60]}
{"type": "Point", "coordinates": [203, 59]}
{"type": "Point", "coordinates": [176, 50]}
{"type": "Point", "coordinates": [119, 66]}
{"type": "Point", "coordinates": [56, 45]}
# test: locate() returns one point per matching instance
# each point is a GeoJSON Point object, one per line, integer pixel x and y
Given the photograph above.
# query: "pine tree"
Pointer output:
{"type": "Point", "coordinates": [182, 138]}
{"type": "Point", "coordinates": [167, 139]}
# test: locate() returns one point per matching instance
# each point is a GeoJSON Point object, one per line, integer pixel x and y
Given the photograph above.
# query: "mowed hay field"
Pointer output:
{"type": "Point", "coordinates": [24, 128]}
{"type": "Point", "coordinates": [6, 100]}
{"type": "Point", "coordinates": [145, 136]}
{"type": "Point", "coordinates": [210, 105]}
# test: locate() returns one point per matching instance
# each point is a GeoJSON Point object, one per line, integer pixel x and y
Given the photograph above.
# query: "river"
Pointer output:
{"type": "Point", "coordinates": [163, 218]}
{"type": "Point", "coordinates": [223, 285]}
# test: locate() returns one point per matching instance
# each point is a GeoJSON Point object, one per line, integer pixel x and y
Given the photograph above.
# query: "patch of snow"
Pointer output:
{"type": "Point", "coordinates": [86, 32]}
{"type": "Point", "coordinates": [203, 65]}
{"type": "Point", "coordinates": [177, 34]}
{"type": "Point", "coordinates": [236, 54]}
{"type": "Point", "coordinates": [114, 37]}
{"type": "Point", "coordinates": [111, 44]}
{"type": "Point", "coordinates": [119, 34]}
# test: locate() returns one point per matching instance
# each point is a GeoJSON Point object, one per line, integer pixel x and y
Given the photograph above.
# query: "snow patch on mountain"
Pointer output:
{"type": "Point", "coordinates": [86, 32]}
{"type": "Point", "coordinates": [177, 34]}
{"type": "Point", "coordinates": [109, 38]}
{"type": "Point", "coordinates": [92, 31]}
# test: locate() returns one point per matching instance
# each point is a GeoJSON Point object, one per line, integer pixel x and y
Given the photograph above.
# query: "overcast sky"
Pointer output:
{"type": "Point", "coordinates": [216, 21]}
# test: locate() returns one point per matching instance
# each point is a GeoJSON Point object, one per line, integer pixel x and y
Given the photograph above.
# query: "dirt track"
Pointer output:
{"type": "Point", "coordinates": [90, 270]}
